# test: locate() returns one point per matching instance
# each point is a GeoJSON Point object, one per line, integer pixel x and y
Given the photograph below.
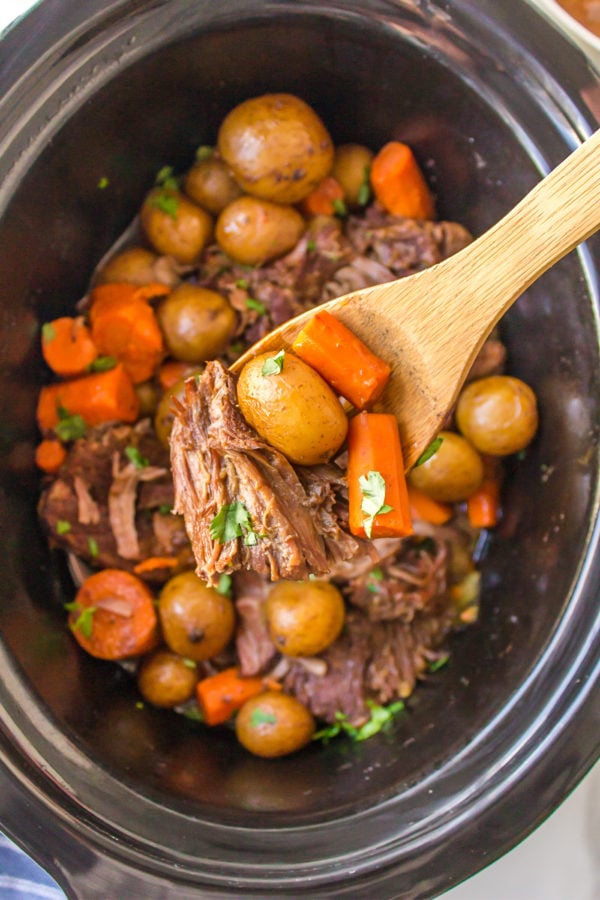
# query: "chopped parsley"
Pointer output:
{"type": "Point", "coordinates": [224, 585]}
{"type": "Point", "coordinates": [339, 207]}
{"type": "Point", "coordinates": [69, 427]}
{"type": "Point", "coordinates": [242, 283]}
{"type": "Point", "coordinates": [48, 332]}
{"type": "Point", "coordinates": [93, 547]}
{"type": "Point", "coordinates": [139, 705]}
{"type": "Point", "coordinates": [190, 663]}
{"type": "Point", "coordinates": [372, 487]}
{"type": "Point", "coordinates": [438, 664]}
{"type": "Point", "coordinates": [429, 451]}
{"type": "Point", "coordinates": [166, 178]}
{"type": "Point", "coordinates": [63, 527]}
{"type": "Point", "coordinates": [165, 508]}
{"type": "Point", "coordinates": [274, 364]}
{"type": "Point", "coordinates": [85, 620]}
{"type": "Point", "coordinates": [233, 521]}
{"type": "Point", "coordinates": [102, 364]}
{"type": "Point", "coordinates": [193, 713]}
{"type": "Point", "coordinates": [311, 245]}
{"type": "Point", "coordinates": [364, 191]}
{"type": "Point", "coordinates": [256, 305]}
{"type": "Point", "coordinates": [167, 203]}
{"type": "Point", "coordinates": [134, 456]}
{"type": "Point", "coordinates": [260, 717]}
{"type": "Point", "coordinates": [103, 183]}
{"type": "Point", "coordinates": [380, 720]}
{"type": "Point", "coordinates": [205, 151]}
{"type": "Point", "coordinates": [375, 575]}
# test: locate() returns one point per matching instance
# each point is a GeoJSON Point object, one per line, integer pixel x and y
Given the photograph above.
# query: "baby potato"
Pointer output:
{"type": "Point", "coordinates": [453, 473]}
{"type": "Point", "coordinates": [166, 679]}
{"type": "Point", "coordinates": [197, 621]}
{"type": "Point", "coordinates": [174, 225]}
{"type": "Point", "coordinates": [276, 146]}
{"type": "Point", "coordinates": [254, 231]}
{"type": "Point", "coordinates": [211, 185]}
{"type": "Point", "coordinates": [304, 617]}
{"type": "Point", "coordinates": [274, 724]}
{"type": "Point", "coordinates": [294, 409]}
{"type": "Point", "coordinates": [134, 266]}
{"type": "Point", "coordinates": [498, 414]}
{"type": "Point", "coordinates": [351, 166]}
{"type": "Point", "coordinates": [197, 323]}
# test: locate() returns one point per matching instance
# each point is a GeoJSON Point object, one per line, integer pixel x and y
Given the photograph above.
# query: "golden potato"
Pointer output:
{"type": "Point", "coordinates": [293, 409]}
{"type": "Point", "coordinates": [174, 225]}
{"type": "Point", "coordinates": [197, 621]}
{"type": "Point", "coordinates": [276, 146]}
{"type": "Point", "coordinates": [211, 185]}
{"type": "Point", "coordinates": [351, 166]}
{"type": "Point", "coordinates": [274, 724]}
{"type": "Point", "coordinates": [148, 396]}
{"type": "Point", "coordinates": [304, 617]}
{"type": "Point", "coordinates": [134, 265]}
{"type": "Point", "coordinates": [254, 231]}
{"type": "Point", "coordinates": [197, 323]}
{"type": "Point", "coordinates": [453, 472]}
{"type": "Point", "coordinates": [498, 414]}
{"type": "Point", "coordinates": [166, 679]}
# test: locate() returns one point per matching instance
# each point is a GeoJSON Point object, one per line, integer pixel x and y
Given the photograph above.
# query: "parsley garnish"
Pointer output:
{"type": "Point", "coordinates": [205, 151]}
{"type": "Point", "coordinates": [69, 427]}
{"type": "Point", "coordinates": [364, 191]}
{"type": "Point", "coordinates": [48, 332]}
{"type": "Point", "coordinates": [242, 283]}
{"type": "Point", "coordinates": [190, 663]}
{"type": "Point", "coordinates": [274, 364]}
{"type": "Point", "coordinates": [372, 487]}
{"type": "Point", "coordinates": [84, 620]}
{"type": "Point", "coordinates": [339, 207]}
{"type": "Point", "coordinates": [165, 508]}
{"type": "Point", "coordinates": [102, 364]}
{"type": "Point", "coordinates": [193, 712]}
{"type": "Point", "coordinates": [134, 456]}
{"type": "Point", "coordinates": [311, 245]}
{"type": "Point", "coordinates": [381, 717]}
{"type": "Point", "coordinates": [167, 203]}
{"type": "Point", "coordinates": [224, 585]}
{"type": "Point", "coordinates": [259, 307]}
{"type": "Point", "coordinates": [93, 546]}
{"type": "Point", "coordinates": [103, 183]}
{"type": "Point", "coordinates": [233, 521]}
{"type": "Point", "coordinates": [438, 664]}
{"type": "Point", "coordinates": [62, 526]}
{"type": "Point", "coordinates": [139, 704]}
{"type": "Point", "coordinates": [429, 451]}
{"type": "Point", "coordinates": [166, 178]}
{"type": "Point", "coordinates": [375, 575]}
{"type": "Point", "coordinates": [259, 717]}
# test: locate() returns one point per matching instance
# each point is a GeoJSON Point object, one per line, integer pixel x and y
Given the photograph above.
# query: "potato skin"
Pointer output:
{"type": "Point", "coordinates": [276, 146]}
{"type": "Point", "coordinates": [197, 323]}
{"type": "Point", "coordinates": [197, 622]}
{"type": "Point", "coordinates": [351, 164]}
{"type": "Point", "coordinates": [254, 231]}
{"type": "Point", "coordinates": [174, 225]}
{"type": "Point", "coordinates": [274, 724]}
{"type": "Point", "coordinates": [453, 473]}
{"type": "Point", "coordinates": [498, 414]}
{"type": "Point", "coordinates": [211, 185]}
{"type": "Point", "coordinates": [304, 617]}
{"type": "Point", "coordinates": [133, 265]}
{"type": "Point", "coordinates": [295, 410]}
{"type": "Point", "coordinates": [165, 680]}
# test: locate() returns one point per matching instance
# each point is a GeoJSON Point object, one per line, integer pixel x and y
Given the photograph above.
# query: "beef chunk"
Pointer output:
{"type": "Point", "coordinates": [218, 460]}
{"type": "Point", "coordinates": [255, 649]}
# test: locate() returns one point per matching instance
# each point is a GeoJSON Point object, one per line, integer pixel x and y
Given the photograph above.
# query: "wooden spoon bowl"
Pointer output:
{"type": "Point", "coordinates": [430, 326]}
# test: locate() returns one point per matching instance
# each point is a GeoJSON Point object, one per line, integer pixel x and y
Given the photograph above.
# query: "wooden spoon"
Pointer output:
{"type": "Point", "coordinates": [430, 326]}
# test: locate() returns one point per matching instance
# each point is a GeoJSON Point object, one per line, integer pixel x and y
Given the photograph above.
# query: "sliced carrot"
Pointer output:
{"type": "Point", "coordinates": [107, 298]}
{"type": "Point", "coordinates": [376, 478]}
{"type": "Point", "coordinates": [172, 371]}
{"type": "Point", "coordinates": [220, 695]}
{"type": "Point", "coordinates": [324, 199]}
{"type": "Point", "coordinates": [483, 507]}
{"type": "Point", "coordinates": [50, 455]}
{"type": "Point", "coordinates": [399, 184]}
{"type": "Point", "coordinates": [113, 615]}
{"type": "Point", "coordinates": [155, 562]}
{"type": "Point", "coordinates": [342, 359]}
{"type": "Point", "coordinates": [427, 510]}
{"type": "Point", "coordinates": [102, 397]}
{"type": "Point", "coordinates": [67, 346]}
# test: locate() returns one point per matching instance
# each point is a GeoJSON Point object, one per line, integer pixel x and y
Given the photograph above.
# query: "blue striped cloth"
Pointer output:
{"type": "Point", "coordinates": [21, 878]}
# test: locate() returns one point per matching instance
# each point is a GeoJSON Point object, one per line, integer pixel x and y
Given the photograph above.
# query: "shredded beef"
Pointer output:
{"type": "Point", "coordinates": [218, 460]}
{"type": "Point", "coordinates": [255, 649]}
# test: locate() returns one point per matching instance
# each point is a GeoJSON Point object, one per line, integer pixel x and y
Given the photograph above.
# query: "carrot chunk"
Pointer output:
{"type": "Point", "coordinates": [113, 615]}
{"type": "Point", "coordinates": [483, 506]}
{"type": "Point", "coordinates": [342, 359]}
{"type": "Point", "coordinates": [428, 510]}
{"type": "Point", "coordinates": [399, 184]}
{"type": "Point", "coordinates": [102, 397]}
{"type": "Point", "coordinates": [377, 491]}
{"type": "Point", "coordinates": [172, 371]}
{"type": "Point", "coordinates": [220, 695]}
{"type": "Point", "coordinates": [153, 563]}
{"type": "Point", "coordinates": [326, 199]}
{"type": "Point", "coordinates": [67, 346]}
{"type": "Point", "coordinates": [50, 455]}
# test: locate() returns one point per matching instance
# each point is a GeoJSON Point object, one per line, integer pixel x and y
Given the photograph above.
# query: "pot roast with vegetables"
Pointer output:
{"type": "Point", "coordinates": [249, 545]}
